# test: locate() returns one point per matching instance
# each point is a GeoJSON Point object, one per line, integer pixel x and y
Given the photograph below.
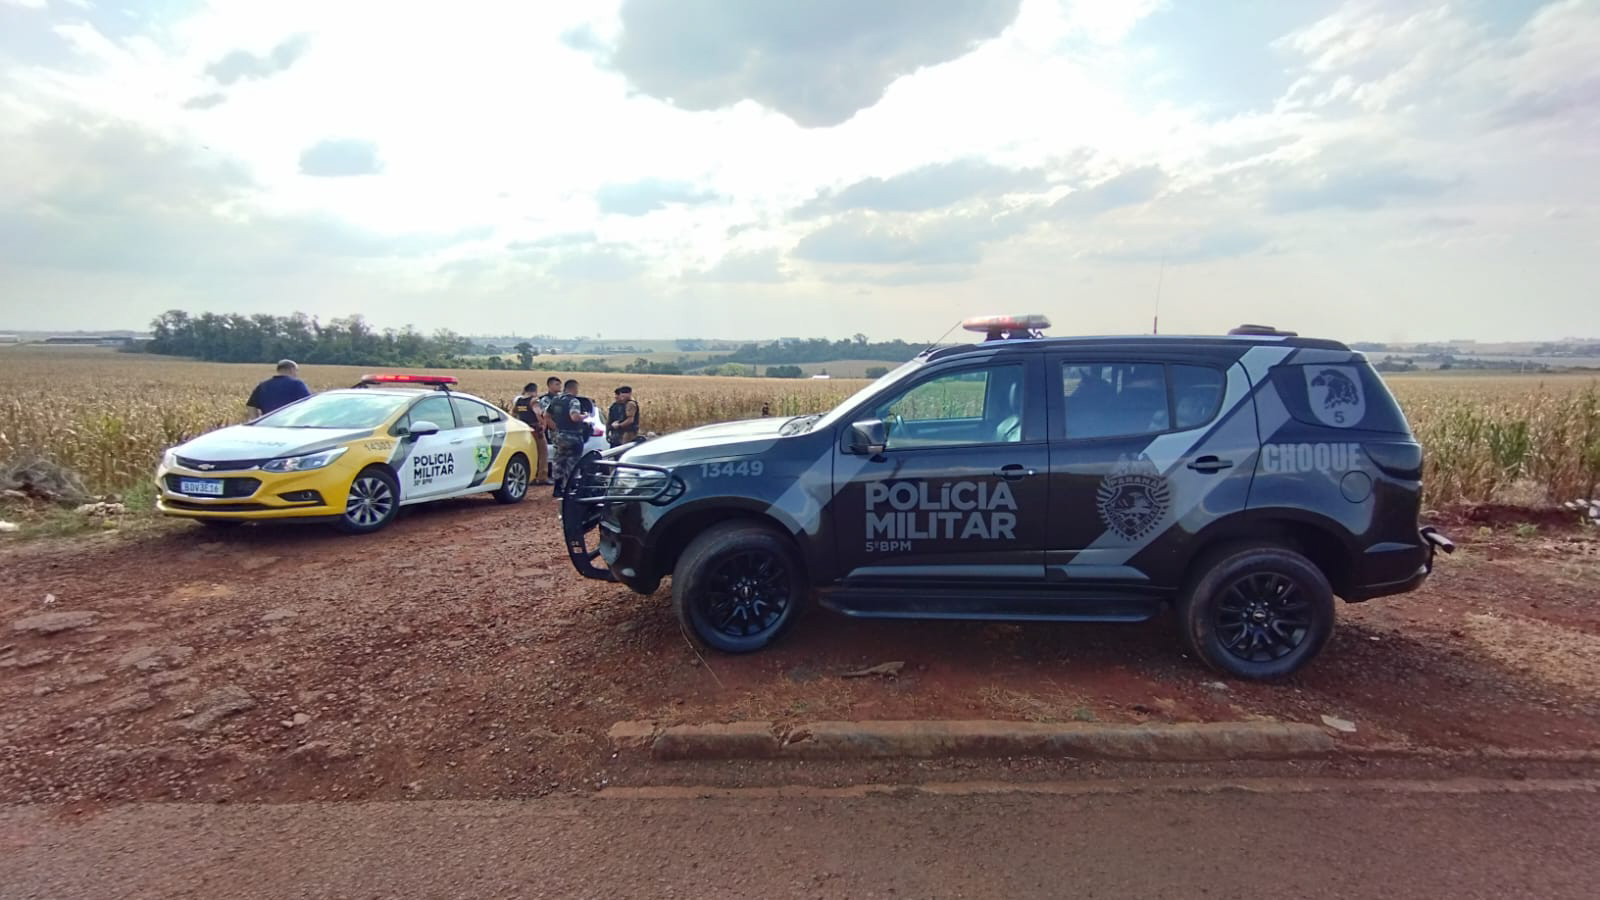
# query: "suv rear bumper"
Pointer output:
{"type": "Point", "coordinates": [1381, 563]}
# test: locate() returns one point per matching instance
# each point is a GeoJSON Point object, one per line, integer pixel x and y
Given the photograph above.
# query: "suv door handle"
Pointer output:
{"type": "Point", "coordinates": [1014, 472]}
{"type": "Point", "coordinates": [1210, 464]}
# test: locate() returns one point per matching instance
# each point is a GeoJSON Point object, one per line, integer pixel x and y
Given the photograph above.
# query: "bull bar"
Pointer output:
{"type": "Point", "coordinates": [598, 484]}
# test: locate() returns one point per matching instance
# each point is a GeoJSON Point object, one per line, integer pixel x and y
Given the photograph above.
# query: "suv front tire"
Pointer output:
{"type": "Point", "coordinates": [1257, 612]}
{"type": "Point", "coordinates": [738, 586]}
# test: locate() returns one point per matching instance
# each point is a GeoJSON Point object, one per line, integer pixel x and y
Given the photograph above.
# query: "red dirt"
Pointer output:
{"type": "Point", "coordinates": [457, 655]}
{"type": "Point", "coordinates": [1500, 515]}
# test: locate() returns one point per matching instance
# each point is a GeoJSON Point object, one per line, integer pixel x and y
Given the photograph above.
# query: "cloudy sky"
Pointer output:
{"type": "Point", "coordinates": [1365, 170]}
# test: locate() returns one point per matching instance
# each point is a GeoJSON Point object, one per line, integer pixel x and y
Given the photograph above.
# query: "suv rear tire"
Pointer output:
{"type": "Point", "coordinates": [1257, 612]}
{"type": "Point", "coordinates": [738, 586]}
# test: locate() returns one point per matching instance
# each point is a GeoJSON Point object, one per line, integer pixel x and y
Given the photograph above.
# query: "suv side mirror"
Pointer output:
{"type": "Point", "coordinates": [868, 437]}
{"type": "Point", "coordinates": [422, 429]}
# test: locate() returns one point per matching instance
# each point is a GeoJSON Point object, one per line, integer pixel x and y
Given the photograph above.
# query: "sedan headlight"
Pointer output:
{"type": "Point", "coordinates": [169, 460]}
{"type": "Point", "coordinates": [303, 463]}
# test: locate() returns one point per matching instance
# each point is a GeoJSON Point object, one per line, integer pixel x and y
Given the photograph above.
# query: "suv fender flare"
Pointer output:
{"type": "Point", "coordinates": [666, 537]}
{"type": "Point", "coordinates": [1337, 553]}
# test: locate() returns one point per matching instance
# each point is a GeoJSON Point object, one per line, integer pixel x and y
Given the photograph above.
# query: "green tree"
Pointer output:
{"type": "Point", "coordinates": [525, 355]}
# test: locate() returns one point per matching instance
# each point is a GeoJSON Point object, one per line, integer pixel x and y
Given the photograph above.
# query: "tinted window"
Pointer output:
{"type": "Point", "coordinates": [435, 410]}
{"type": "Point", "coordinates": [1196, 394]}
{"type": "Point", "coordinates": [471, 412]}
{"type": "Point", "coordinates": [975, 406]}
{"type": "Point", "coordinates": [1339, 395]}
{"type": "Point", "coordinates": [1115, 399]}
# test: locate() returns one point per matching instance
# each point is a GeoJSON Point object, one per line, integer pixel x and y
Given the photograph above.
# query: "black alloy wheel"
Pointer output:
{"type": "Point", "coordinates": [747, 593]}
{"type": "Point", "coordinates": [738, 585]}
{"type": "Point", "coordinates": [1262, 617]}
{"type": "Point", "coordinates": [1256, 611]}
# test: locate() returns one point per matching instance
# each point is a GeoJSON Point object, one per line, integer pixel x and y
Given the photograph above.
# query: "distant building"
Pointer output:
{"type": "Point", "coordinates": [10, 339]}
{"type": "Point", "coordinates": [88, 340]}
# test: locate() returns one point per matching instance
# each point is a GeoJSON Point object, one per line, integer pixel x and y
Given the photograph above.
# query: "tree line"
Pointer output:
{"type": "Point", "coordinates": [817, 350]}
{"type": "Point", "coordinates": [352, 341]}
{"type": "Point", "coordinates": [347, 341]}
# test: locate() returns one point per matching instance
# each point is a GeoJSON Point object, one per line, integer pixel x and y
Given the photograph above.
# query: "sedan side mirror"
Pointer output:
{"type": "Point", "coordinates": [422, 429]}
{"type": "Point", "coordinates": [869, 437]}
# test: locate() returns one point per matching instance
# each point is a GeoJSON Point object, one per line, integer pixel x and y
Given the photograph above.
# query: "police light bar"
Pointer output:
{"type": "Point", "coordinates": [1012, 326]}
{"type": "Point", "coordinates": [408, 379]}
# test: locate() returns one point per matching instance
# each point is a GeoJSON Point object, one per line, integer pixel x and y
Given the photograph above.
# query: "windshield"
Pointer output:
{"type": "Point", "coordinates": [336, 411]}
{"type": "Point", "coordinates": [860, 396]}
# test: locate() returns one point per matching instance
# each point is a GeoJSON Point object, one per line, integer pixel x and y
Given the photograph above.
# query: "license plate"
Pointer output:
{"type": "Point", "coordinates": [209, 487]}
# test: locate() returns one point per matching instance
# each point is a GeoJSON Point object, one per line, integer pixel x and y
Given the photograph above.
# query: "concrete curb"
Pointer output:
{"type": "Point", "coordinates": [1196, 742]}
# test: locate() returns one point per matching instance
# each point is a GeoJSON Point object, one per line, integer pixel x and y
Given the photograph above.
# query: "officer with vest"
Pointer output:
{"type": "Point", "coordinates": [622, 424]}
{"type": "Point", "coordinates": [526, 408]}
{"type": "Point", "coordinates": [566, 412]}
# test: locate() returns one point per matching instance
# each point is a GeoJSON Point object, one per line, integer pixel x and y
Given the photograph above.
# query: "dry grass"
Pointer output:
{"type": "Point", "coordinates": [1505, 438]}
{"type": "Point", "coordinates": [108, 415]}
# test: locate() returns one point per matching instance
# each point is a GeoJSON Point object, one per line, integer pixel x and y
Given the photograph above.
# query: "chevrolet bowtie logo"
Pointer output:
{"type": "Point", "coordinates": [207, 466]}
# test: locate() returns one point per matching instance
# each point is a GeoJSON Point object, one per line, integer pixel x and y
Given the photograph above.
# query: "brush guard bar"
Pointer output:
{"type": "Point", "coordinates": [597, 485]}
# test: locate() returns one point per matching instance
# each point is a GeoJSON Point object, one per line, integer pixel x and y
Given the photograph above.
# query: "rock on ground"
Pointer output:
{"type": "Point", "coordinates": [55, 622]}
{"type": "Point", "coordinates": [217, 705]}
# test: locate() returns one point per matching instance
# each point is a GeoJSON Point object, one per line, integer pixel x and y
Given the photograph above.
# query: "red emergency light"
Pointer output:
{"type": "Point", "coordinates": [430, 380]}
{"type": "Point", "coordinates": [1008, 326]}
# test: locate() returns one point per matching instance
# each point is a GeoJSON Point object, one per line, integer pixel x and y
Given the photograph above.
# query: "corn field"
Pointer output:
{"type": "Point", "coordinates": [108, 416]}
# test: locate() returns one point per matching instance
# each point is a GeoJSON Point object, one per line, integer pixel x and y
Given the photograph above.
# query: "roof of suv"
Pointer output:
{"type": "Point", "coordinates": [1139, 340]}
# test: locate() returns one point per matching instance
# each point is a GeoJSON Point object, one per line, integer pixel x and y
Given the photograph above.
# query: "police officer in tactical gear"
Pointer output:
{"type": "Point", "coordinates": [622, 424]}
{"type": "Point", "coordinates": [526, 408]}
{"type": "Point", "coordinates": [566, 411]}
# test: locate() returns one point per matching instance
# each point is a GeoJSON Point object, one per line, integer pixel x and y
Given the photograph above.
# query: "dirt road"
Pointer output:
{"type": "Point", "coordinates": [1458, 840]}
{"type": "Point", "coordinates": [456, 655]}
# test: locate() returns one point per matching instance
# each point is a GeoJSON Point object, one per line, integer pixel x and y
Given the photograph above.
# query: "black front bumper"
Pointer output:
{"type": "Point", "coordinates": [587, 505]}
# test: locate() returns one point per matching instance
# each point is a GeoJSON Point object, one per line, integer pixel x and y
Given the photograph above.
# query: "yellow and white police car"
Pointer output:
{"type": "Point", "coordinates": [352, 457]}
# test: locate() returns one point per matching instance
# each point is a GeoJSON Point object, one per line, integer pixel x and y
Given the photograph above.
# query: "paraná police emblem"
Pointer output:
{"type": "Point", "coordinates": [1133, 499]}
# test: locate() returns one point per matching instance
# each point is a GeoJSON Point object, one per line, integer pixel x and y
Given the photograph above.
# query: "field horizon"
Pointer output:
{"type": "Point", "coordinates": [106, 415]}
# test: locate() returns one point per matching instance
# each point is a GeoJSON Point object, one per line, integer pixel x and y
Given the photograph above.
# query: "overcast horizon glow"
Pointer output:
{"type": "Point", "coordinates": [1386, 170]}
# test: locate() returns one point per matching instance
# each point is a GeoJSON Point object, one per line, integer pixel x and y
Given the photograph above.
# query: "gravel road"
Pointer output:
{"type": "Point", "coordinates": [1304, 840]}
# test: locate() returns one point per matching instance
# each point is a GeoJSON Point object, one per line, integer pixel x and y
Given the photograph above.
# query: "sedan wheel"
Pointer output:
{"type": "Point", "coordinates": [372, 504]}
{"type": "Point", "coordinates": [515, 485]}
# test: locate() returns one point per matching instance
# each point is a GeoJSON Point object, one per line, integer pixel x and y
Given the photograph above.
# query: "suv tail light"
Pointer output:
{"type": "Point", "coordinates": [1402, 459]}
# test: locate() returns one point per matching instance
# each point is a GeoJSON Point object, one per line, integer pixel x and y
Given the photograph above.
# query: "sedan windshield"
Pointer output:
{"type": "Point", "coordinates": [351, 410]}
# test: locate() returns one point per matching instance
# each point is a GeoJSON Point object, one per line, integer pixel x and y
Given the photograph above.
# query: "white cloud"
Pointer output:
{"type": "Point", "coordinates": [953, 152]}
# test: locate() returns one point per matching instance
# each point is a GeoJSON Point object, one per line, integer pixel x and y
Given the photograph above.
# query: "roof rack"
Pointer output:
{"type": "Point", "coordinates": [1262, 329]}
{"type": "Point", "coordinates": [437, 382]}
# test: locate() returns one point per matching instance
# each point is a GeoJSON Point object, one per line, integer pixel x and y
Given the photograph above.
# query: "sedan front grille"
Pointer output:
{"type": "Point", "coordinates": [211, 465]}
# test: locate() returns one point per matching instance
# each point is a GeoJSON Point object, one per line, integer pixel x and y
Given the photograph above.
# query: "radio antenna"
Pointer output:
{"type": "Point", "coordinates": [1155, 318]}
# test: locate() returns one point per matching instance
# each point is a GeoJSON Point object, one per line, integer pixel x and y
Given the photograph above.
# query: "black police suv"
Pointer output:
{"type": "Point", "coordinates": [1246, 478]}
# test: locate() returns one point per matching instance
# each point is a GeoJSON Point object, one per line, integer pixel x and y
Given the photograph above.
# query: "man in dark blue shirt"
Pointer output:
{"type": "Point", "coordinates": [278, 391]}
